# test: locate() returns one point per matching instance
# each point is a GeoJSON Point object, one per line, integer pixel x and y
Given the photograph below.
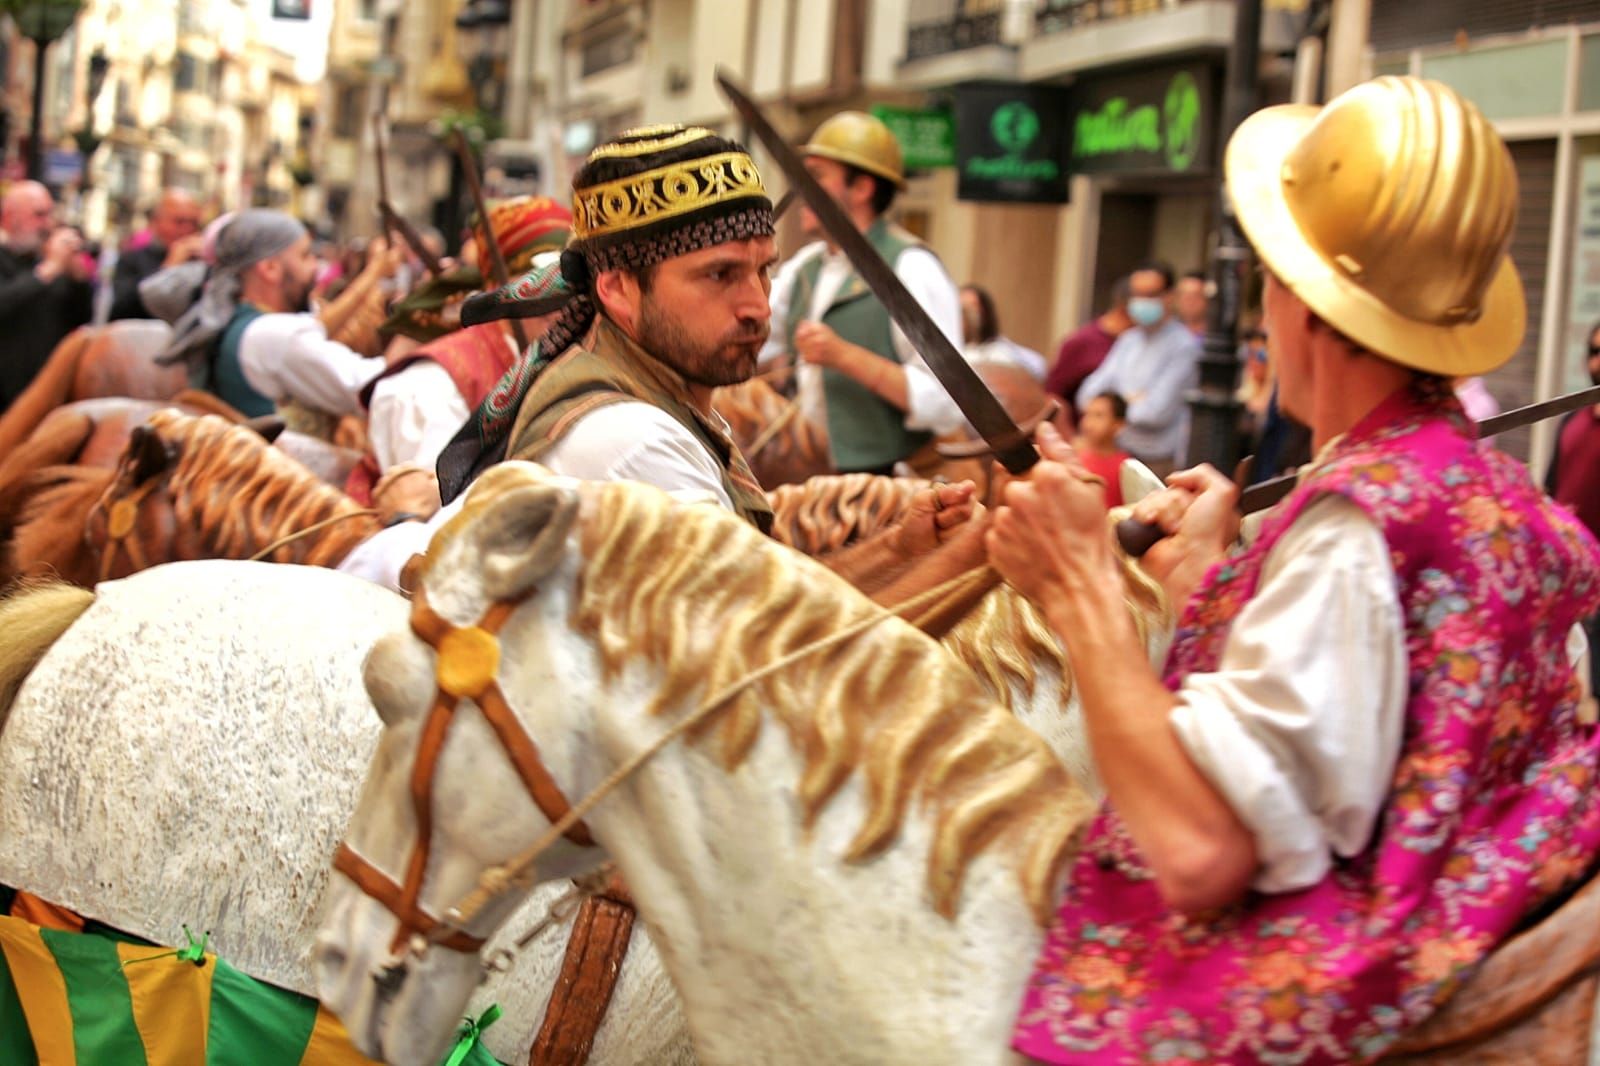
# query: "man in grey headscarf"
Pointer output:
{"type": "Point", "coordinates": [250, 338]}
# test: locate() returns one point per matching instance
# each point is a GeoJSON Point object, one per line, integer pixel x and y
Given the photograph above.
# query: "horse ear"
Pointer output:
{"type": "Point", "coordinates": [268, 426]}
{"type": "Point", "coordinates": [149, 454]}
{"type": "Point", "coordinates": [523, 536]}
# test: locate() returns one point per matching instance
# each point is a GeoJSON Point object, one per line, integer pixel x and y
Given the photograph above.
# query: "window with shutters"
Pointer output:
{"type": "Point", "coordinates": [1398, 26]}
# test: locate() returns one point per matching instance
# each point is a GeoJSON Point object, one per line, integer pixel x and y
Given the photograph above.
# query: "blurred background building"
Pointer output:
{"type": "Point", "coordinates": [139, 95]}
{"type": "Point", "coordinates": [205, 94]}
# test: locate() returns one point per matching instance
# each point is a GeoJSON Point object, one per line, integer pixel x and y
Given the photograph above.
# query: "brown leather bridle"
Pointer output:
{"type": "Point", "coordinates": [122, 516]}
{"type": "Point", "coordinates": [467, 667]}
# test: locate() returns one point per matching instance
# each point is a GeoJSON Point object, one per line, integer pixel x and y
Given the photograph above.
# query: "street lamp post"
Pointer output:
{"type": "Point", "coordinates": [42, 22]}
{"type": "Point", "coordinates": [87, 139]}
{"type": "Point", "coordinates": [1214, 429]}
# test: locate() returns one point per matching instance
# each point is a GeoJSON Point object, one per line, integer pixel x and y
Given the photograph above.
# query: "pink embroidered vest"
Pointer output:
{"type": "Point", "coordinates": [1492, 810]}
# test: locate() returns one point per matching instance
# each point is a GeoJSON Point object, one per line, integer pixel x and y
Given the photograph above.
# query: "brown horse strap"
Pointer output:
{"type": "Point", "coordinates": [379, 886]}
{"type": "Point", "coordinates": [596, 948]}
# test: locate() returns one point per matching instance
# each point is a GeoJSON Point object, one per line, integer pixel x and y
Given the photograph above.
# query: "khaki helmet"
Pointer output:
{"type": "Point", "coordinates": [857, 139]}
{"type": "Point", "coordinates": [1389, 214]}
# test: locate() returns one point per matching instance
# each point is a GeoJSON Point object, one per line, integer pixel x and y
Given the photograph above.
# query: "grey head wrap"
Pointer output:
{"type": "Point", "coordinates": [252, 236]}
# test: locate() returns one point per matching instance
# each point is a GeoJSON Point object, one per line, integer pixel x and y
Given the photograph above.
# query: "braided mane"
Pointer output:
{"type": "Point", "coordinates": [780, 445]}
{"type": "Point", "coordinates": [239, 494]}
{"type": "Point", "coordinates": [826, 513]}
{"type": "Point", "coordinates": [708, 600]}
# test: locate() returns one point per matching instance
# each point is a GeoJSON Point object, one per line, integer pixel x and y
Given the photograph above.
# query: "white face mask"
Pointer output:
{"type": "Point", "coordinates": [1146, 310]}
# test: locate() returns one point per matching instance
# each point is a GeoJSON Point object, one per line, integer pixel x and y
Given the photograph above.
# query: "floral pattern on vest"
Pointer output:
{"type": "Point", "coordinates": [1492, 809]}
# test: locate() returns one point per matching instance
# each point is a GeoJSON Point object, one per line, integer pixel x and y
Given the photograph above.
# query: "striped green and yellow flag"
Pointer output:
{"type": "Point", "coordinates": [68, 999]}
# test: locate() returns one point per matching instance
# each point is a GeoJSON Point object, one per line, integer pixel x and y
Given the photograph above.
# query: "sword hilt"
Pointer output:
{"type": "Point", "coordinates": [1137, 537]}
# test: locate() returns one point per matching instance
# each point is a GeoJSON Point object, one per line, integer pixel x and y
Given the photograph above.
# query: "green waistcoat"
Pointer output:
{"type": "Point", "coordinates": [607, 368]}
{"type": "Point", "coordinates": [864, 431]}
{"type": "Point", "coordinates": [227, 375]}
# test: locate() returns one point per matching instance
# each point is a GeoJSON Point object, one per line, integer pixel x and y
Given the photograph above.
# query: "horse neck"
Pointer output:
{"type": "Point", "coordinates": [279, 499]}
{"type": "Point", "coordinates": [781, 951]}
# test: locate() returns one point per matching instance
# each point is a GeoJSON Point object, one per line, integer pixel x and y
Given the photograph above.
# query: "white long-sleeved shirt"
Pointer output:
{"type": "Point", "coordinates": [1300, 726]}
{"type": "Point", "coordinates": [1152, 371]}
{"type": "Point", "coordinates": [289, 357]}
{"type": "Point", "coordinates": [626, 441]}
{"type": "Point", "coordinates": [413, 414]}
{"type": "Point", "coordinates": [929, 406]}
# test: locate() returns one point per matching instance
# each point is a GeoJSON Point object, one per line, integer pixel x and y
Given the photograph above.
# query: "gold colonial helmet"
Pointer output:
{"type": "Point", "coordinates": [1389, 213]}
{"type": "Point", "coordinates": [857, 139]}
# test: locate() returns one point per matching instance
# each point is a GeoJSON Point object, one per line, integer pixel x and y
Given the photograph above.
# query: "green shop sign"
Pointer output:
{"type": "Point", "coordinates": [1159, 120]}
{"type": "Point", "coordinates": [1011, 143]}
{"type": "Point", "coordinates": [927, 138]}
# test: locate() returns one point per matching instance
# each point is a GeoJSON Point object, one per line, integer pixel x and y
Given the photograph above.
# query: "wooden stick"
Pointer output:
{"type": "Point", "coordinates": [497, 261]}
{"type": "Point", "coordinates": [392, 221]}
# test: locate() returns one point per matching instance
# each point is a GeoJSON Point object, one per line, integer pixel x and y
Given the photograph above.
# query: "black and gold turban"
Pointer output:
{"type": "Point", "coordinates": [648, 196]}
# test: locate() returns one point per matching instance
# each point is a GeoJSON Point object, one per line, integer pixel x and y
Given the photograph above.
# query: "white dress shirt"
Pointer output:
{"type": "Point", "coordinates": [1003, 351]}
{"type": "Point", "coordinates": [624, 441]}
{"type": "Point", "coordinates": [1300, 726]}
{"type": "Point", "coordinates": [413, 415]}
{"type": "Point", "coordinates": [289, 357]}
{"type": "Point", "coordinates": [929, 405]}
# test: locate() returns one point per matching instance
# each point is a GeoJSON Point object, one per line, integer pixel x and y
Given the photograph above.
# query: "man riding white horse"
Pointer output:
{"type": "Point", "coordinates": [1367, 764]}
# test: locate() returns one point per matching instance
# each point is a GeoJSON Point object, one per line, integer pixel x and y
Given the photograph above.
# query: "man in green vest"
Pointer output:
{"type": "Point", "coordinates": [857, 373]}
{"type": "Point", "coordinates": [251, 339]}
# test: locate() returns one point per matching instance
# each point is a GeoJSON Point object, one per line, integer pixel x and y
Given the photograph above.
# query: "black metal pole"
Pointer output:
{"type": "Point", "coordinates": [1214, 435]}
{"type": "Point", "coordinates": [36, 130]}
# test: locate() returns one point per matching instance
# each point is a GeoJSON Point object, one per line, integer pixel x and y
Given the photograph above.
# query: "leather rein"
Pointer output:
{"type": "Point", "coordinates": [467, 667]}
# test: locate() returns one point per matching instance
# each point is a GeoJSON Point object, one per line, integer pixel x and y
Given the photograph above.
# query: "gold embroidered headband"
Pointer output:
{"type": "Point", "coordinates": [663, 193]}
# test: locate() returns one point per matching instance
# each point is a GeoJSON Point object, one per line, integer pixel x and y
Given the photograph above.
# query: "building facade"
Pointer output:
{"type": "Point", "coordinates": [145, 94]}
{"type": "Point", "coordinates": [1534, 70]}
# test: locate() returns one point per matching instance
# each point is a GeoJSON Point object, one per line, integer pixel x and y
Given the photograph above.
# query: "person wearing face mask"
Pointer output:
{"type": "Point", "coordinates": [1152, 366]}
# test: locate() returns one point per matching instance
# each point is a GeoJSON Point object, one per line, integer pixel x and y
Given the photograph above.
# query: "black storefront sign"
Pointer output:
{"type": "Point", "coordinates": [1012, 142]}
{"type": "Point", "coordinates": [1159, 120]}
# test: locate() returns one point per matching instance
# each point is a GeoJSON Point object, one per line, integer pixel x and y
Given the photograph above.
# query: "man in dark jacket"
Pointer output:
{"type": "Point", "coordinates": [44, 285]}
{"type": "Point", "coordinates": [174, 238]}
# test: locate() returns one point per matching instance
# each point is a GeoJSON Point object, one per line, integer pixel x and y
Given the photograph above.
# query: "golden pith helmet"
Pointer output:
{"type": "Point", "coordinates": [857, 139]}
{"type": "Point", "coordinates": [1389, 213]}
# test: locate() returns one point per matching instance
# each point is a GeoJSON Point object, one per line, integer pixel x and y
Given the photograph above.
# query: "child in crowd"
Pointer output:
{"type": "Point", "coordinates": [1096, 443]}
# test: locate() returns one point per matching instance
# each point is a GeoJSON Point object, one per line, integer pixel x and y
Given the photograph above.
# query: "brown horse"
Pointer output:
{"type": "Point", "coordinates": [185, 487]}
{"type": "Point", "coordinates": [783, 448]}
{"type": "Point", "coordinates": [112, 360]}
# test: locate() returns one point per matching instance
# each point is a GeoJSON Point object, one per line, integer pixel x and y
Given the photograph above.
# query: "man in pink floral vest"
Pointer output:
{"type": "Point", "coordinates": [1369, 761]}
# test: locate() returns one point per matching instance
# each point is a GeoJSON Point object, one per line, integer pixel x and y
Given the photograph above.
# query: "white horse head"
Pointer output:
{"type": "Point", "coordinates": [895, 830]}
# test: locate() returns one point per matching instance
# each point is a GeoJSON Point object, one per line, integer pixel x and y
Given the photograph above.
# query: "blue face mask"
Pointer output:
{"type": "Point", "coordinates": [1147, 310]}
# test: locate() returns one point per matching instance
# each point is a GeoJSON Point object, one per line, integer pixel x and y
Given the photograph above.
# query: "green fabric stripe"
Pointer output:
{"type": "Point", "coordinates": [102, 1013]}
{"type": "Point", "coordinates": [16, 1043]}
{"type": "Point", "coordinates": [254, 1023]}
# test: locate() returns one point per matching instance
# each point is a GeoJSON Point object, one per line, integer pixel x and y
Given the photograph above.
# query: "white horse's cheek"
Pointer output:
{"type": "Point", "coordinates": [398, 675]}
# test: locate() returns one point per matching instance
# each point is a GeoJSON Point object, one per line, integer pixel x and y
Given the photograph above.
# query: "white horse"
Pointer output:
{"type": "Point", "coordinates": [189, 751]}
{"type": "Point", "coordinates": [852, 862]}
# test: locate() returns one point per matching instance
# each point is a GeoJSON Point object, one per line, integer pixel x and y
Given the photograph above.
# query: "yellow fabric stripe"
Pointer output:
{"type": "Point", "coordinates": [42, 990]}
{"type": "Point", "coordinates": [171, 1005]}
{"type": "Point", "coordinates": [330, 1044]}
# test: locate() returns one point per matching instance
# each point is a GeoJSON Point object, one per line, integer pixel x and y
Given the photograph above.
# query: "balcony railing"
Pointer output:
{"type": "Point", "coordinates": [1053, 16]}
{"type": "Point", "coordinates": [931, 39]}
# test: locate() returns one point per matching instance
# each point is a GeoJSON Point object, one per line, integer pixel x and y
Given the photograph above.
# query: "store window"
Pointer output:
{"type": "Point", "coordinates": [1583, 301]}
{"type": "Point", "coordinates": [1513, 384]}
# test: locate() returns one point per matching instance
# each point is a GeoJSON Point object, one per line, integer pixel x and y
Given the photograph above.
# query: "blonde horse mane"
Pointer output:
{"type": "Point", "coordinates": [1004, 637]}
{"type": "Point", "coordinates": [832, 511]}
{"type": "Point", "coordinates": [242, 494]}
{"type": "Point", "coordinates": [709, 600]}
{"type": "Point", "coordinates": [32, 619]}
